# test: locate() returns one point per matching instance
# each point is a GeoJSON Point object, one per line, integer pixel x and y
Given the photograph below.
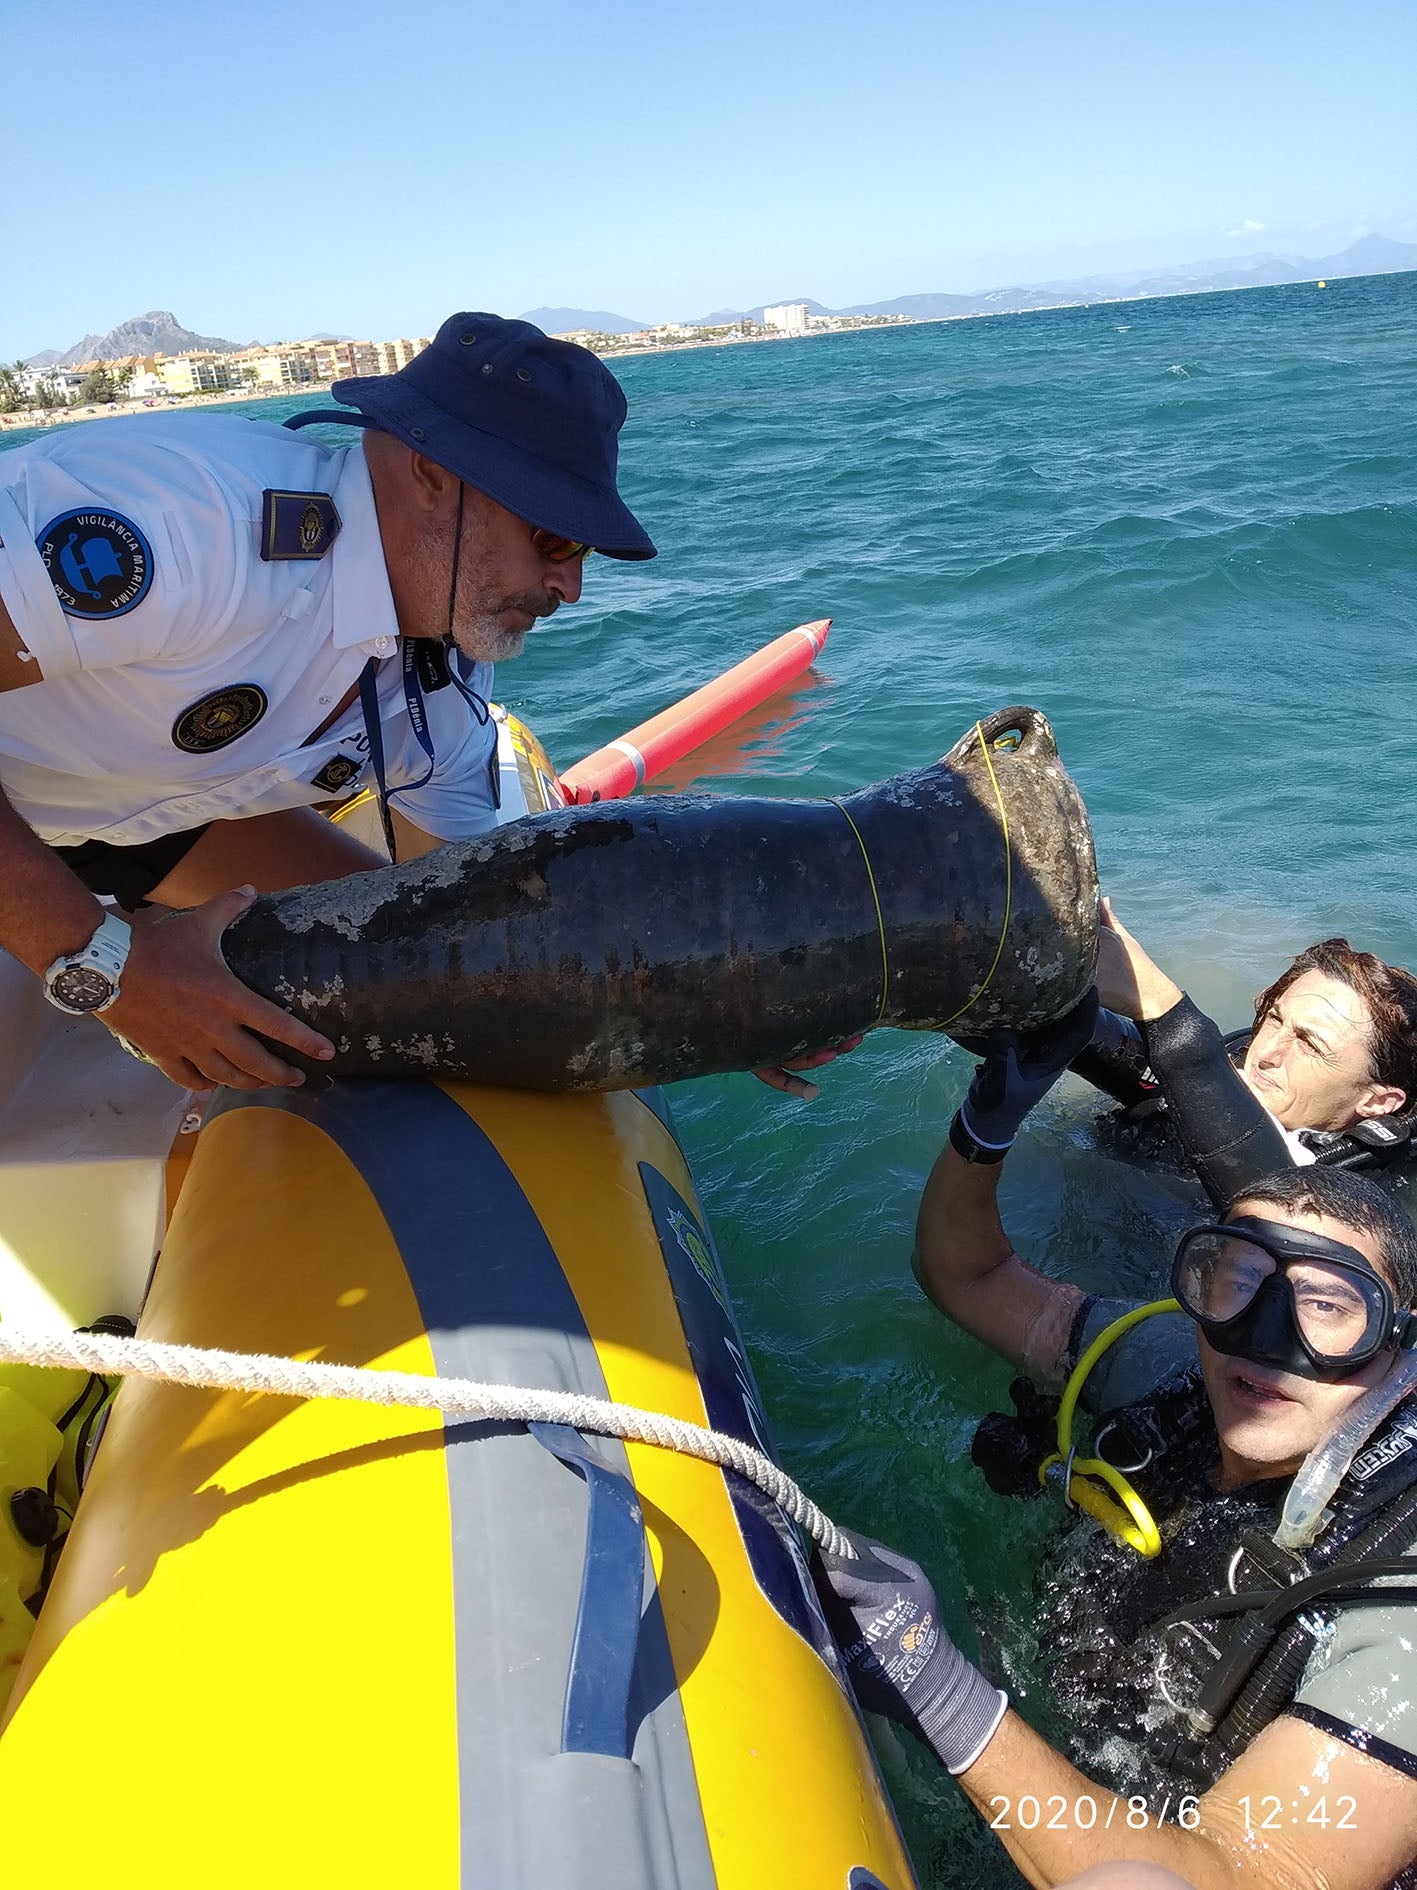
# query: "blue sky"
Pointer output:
{"type": "Point", "coordinates": [268, 170]}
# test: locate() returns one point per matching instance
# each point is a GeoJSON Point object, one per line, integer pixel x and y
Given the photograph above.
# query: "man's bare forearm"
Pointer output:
{"type": "Point", "coordinates": [966, 1263]}
{"type": "Point", "coordinates": [1350, 1820]}
{"type": "Point", "coordinates": [1054, 1821]}
{"type": "Point", "coordinates": [958, 1232]}
{"type": "Point", "coordinates": [44, 910]}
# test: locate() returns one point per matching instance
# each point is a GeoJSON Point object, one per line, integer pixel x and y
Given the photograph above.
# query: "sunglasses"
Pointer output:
{"type": "Point", "coordinates": [558, 549]}
{"type": "Point", "coordinates": [1282, 1296]}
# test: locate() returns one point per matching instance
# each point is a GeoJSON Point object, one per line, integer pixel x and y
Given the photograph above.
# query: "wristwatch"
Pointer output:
{"type": "Point", "coordinates": [88, 980]}
{"type": "Point", "coordinates": [973, 1150]}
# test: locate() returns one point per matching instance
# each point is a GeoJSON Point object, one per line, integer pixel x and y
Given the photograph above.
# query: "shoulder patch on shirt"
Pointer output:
{"type": "Point", "coordinates": [297, 525]}
{"type": "Point", "coordinates": [99, 563]}
{"type": "Point", "coordinates": [219, 718]}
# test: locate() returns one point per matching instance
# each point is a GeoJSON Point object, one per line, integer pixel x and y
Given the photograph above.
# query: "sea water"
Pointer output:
{"type": "Point", "coordinates": [1187, 530]}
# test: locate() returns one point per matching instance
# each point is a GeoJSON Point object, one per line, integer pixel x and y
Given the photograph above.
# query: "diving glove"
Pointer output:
{"type": "Point", "coordinates": [1018, 1070]}
{"type": "Point", "coordinates": [902, 1663]}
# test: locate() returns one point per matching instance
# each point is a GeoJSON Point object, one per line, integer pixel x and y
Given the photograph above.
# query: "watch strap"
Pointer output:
{"type": "Point", "coordinates": [966, 1144]}
{"type": "Point", "coordinates": [106, 953]}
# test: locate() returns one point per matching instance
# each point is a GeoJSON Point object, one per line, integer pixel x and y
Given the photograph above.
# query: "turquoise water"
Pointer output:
{"type": "Point", "coordinates": [1185, 529]}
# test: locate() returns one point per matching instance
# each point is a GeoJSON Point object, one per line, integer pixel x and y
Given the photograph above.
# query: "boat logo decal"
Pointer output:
{"type": "Point", "coordinates": [219, 718]}
{"type": "Point", "coordinates": [731, 1404]}
{"type": "Point", "coordinates": [99, 563]}
{"type": "Point", "coordinates": [691, 1240]}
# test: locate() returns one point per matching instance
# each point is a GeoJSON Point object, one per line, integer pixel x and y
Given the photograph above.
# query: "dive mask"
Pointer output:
{"type": "Point", "coordinates": [1285, 1297]}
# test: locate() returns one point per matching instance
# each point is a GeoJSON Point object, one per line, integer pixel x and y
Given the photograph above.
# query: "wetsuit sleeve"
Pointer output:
{"type": "Point", "coordinates": [1138, 1363]}
{"type": "Point", "coordinates": [1361, 1686]}
{"type": "Point", "coordinates": [1227, 1135]}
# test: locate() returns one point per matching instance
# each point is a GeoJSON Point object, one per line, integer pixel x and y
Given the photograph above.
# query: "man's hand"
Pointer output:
{"type": "Point", "coordinates": [779, 1075]}
{"type": "Point", "coordinates": [1018, 1070]}
{"type": "Point", "coordinates": [180, 1005]}
{"type": "Point", "coordinates": [902, 1663]}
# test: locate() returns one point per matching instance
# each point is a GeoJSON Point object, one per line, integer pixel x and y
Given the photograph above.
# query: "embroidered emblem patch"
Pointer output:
{"type": "Point", "coordinates": [337, 773]}
{"type": "Point", "coordinates": [219, 718]}
{"type": "Point", "coordinates": [99, 563]}
{"type": "Point", "coordinates": [297, 525]}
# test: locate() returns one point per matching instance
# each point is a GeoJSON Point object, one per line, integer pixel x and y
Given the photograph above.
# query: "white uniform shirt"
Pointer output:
{"type": "Point", "coordinates": [1301, 1156]}
{"type": "Point", "coordinates": [157, 603]}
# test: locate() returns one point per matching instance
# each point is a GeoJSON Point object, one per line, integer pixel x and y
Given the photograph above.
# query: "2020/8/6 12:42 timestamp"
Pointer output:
{"type": "Point", "coordinates": [1271, 1813]}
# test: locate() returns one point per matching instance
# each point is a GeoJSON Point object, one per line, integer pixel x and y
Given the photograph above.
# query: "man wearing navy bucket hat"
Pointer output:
{"type": "Point", "coordinates": [209, 628]}
{"type": "Point", "coordinates": [532, 423]}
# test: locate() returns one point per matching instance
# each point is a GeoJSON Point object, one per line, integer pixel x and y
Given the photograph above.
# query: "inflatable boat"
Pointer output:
{"type": "Point", "coordinates": [319, 1642]}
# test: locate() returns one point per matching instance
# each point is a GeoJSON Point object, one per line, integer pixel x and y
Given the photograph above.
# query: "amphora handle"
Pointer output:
{"type": "Point", "coordinates": [1025, 732]}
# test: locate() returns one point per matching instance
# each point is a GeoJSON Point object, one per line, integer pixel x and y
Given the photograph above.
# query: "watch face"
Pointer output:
{"type": "Point", "coordinates": [81, 988]}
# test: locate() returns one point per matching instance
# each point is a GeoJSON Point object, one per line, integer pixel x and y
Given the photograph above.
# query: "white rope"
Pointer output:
{"type": "Point", "coordinates": [209, 1370]}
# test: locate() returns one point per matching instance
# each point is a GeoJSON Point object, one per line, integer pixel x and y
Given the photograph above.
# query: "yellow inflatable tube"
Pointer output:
{"type": "Point", "coordinates": [334, 1644]}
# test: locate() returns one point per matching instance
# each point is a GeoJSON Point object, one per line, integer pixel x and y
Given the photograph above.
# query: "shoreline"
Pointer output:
{"type": "Point", "coordinates": [43, 418]}
{"type": "Point", "coordinates": [71, 416]}
{"type": "Point", "coordinates": [74, 416]}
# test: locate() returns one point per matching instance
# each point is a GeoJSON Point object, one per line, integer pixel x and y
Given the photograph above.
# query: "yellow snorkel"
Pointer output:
{"type": "Point", "coordinates": [1122, 1513]}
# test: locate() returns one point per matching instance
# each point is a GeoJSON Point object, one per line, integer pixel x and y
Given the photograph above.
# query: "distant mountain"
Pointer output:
{"type": "Point", "coordinates": [1369, 256]}
{"type": "Point", "coordinates": [565, 321]}
{"type": "Point", "coordinates": [723, 317]}
{"type": "Point", "coordinates": [927, 308]}
{"type": "Point", "coordinates": [157, 332]}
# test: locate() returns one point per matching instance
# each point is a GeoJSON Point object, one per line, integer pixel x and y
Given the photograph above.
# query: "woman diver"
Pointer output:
{"type": "Point", "coordinates": [1280, 1740]}
{"type": "Point", "coordinates": [1332, 1055]}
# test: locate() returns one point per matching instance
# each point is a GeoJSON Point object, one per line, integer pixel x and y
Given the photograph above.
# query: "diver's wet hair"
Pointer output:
{"type": "Point", "coordinates": [1389, 993]}
{"type": "Point", "coordinates": [1359, 1204]}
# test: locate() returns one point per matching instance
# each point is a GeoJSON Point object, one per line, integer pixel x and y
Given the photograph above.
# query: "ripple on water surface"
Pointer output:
{"type": "Point", "coordinates": [1188, 531]}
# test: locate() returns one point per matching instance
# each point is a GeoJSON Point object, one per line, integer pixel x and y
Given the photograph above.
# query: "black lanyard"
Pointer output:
{"type": "Point", "coordinates": [412, 690]}
{"type": "Point", "coordinates": [418, 717]}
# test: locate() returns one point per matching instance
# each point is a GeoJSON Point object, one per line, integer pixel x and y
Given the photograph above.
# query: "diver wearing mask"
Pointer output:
{"type": "Point", "coordinates": [1252, 1700]}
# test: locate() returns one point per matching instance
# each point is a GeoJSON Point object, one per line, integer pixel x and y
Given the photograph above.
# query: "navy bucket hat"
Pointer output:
{"type": "Point", "coordinates": [534, 423]}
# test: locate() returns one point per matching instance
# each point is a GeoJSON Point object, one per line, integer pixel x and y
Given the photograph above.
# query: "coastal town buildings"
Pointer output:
{"type": "Point", "coordinates": [288, 365]}
{"type": "Point", "coordinates": [782, 322]}
{"type": "Point", "coordinates": [36, 393]}
{"type": "Point", "coordinates": [49, 383]}
{"type": "Point", "coordinates": [282, 367]}
{"type": "Point", "coordinates": [786, 318]}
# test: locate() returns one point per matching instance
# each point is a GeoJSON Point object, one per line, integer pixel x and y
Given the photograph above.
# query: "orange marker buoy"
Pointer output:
{"type": "Point", "coordinates": [643, 752]}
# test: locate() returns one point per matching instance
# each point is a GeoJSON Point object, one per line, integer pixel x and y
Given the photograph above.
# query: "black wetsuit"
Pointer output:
{"type": "Point", "coordinates": [1119, 1687]}
{"type": "Point", "coordinates": [1186, 1110]}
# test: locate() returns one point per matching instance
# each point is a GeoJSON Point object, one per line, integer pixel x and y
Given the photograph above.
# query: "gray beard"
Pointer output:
{"type": "Point", "coordinates": [486, 640]}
